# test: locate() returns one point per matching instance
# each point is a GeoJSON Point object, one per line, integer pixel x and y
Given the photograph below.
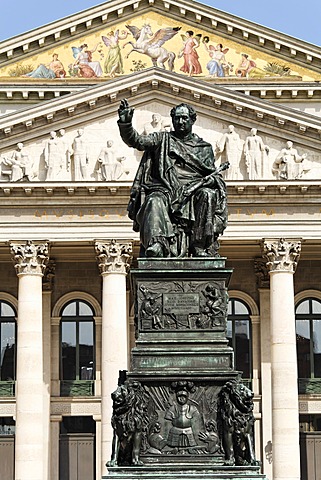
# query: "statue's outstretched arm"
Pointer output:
{"type": "Point", "coordinates": [125, 112]}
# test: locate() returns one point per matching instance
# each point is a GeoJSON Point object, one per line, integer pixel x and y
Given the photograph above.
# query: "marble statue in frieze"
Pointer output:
{"type": "Point", "coordinates": [18, 167]}
{"type": "Point", "coordinates": [158, 124]}
{"type": "Point", "coordinates": [231, 144]}
{"type": "Point", "coordinates": [89, 154]}
{"type": "Point", "coordinates": [52, 156]}
{"type": "Point", "coordinates": [289, 164]}
{"type": "Point", "coordinates": [110, 164]}
{"type": "Point", "coordinates": [255, 153]}
{"type": "Point", "coordinates": [65, 149]}
{"type": "Point", "coordinates": [80, 156]}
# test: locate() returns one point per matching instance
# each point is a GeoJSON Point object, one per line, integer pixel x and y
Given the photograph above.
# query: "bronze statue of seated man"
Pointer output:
{"type": "Point", "coordinates": [178, 197]}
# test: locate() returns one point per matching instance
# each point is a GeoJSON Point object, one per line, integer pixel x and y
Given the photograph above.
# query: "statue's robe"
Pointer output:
{"type": "Point", "coordinates": [160, 210]}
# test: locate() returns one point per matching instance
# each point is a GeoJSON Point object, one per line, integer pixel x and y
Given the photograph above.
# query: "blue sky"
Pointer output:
{"type": "Point", "coordinates": [300, 19]}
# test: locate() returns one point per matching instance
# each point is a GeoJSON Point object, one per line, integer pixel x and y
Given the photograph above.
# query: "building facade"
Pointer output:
{"type": "Point", "coordinates": [67, 245]}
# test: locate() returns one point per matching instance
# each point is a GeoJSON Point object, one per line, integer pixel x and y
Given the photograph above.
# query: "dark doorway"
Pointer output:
{"type": "Point", "coordinates": [7, 429]}
{"type": "Point", "coordinates": [310, 448]}
{"type": "Point", "coordinates": [77, 448]}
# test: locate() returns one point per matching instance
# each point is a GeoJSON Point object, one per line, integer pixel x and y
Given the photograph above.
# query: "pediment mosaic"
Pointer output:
{"type": "Point", "coordinates": [149, 40]}
{"type": "Point", "coordinates": [96, 152]}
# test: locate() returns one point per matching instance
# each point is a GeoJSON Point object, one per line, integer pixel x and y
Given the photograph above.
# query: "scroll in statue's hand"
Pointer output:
{"type": "Point", "coordinates": [125, 112]}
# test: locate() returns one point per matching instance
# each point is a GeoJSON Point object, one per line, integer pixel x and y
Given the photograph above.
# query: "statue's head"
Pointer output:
{"type": "Point", "coordinates": [182, 397]}
{"type": "Point", "coordinates": [183, 118]}
{"type": "Point", "coordinates": [156, 118]}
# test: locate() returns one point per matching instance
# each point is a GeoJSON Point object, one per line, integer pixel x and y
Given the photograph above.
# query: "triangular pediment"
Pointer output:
{"type": "Point", "coordinates": [272, 55]}
{"type": "Point", "coordinates": [94, 111]}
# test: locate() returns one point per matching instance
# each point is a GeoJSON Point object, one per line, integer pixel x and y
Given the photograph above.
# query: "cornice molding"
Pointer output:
{"type": "Point", "coordinates": [66, 190]}
{"type": "Point", "coordinates": [212, 100]}
{"type": "Point", "coordinates": [117, 193]}
{"type": "Point", "coordinates": [36, 91]}
{"type": "Point", "coordinates": [211, 19]}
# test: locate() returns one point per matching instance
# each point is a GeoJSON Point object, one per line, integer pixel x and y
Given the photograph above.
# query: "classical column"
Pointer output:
{"type": "Point", "coordinates": [282, 257]}
{"type": "Point", "coordinates": [113, 260]}
{"type": "Point", "coordinates": [30, 461]}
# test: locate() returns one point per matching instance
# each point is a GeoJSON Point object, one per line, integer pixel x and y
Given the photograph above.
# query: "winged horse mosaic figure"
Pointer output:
{"type": "Point", "coordinates": [150, 44]}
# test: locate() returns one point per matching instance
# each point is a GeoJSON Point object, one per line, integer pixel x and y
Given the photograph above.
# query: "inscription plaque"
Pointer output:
{"type": "Point", "coordinates": [181, 303]}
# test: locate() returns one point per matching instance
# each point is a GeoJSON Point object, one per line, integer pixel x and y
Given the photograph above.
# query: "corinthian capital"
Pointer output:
{"type": "Point", "coordinates": [113, 256]}
{"type": "Point", "coordinates": [29, 258]}
{"type": "Point", "coordinates": [281, 254]}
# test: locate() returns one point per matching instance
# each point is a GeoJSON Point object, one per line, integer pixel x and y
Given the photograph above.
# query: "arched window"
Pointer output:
{"type": "Point", "coordinates": [239, 335]}
{"type": "Point", "coordinates": [8, 348]}
{"type": "Point", "coordinates": [308, 338]}
{"type": "Point", "coordinates": [77, 359]}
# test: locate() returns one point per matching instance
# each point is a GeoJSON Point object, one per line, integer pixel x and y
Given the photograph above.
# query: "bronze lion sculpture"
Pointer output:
{"type": "Point", "coordinates": [129, 421]}
{"type": "Point", "coordinates": [236, 420]}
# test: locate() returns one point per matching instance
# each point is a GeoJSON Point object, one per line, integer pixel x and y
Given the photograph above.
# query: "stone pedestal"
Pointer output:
{"type": "Point", "coordinates": [185, 472]}
{"type": "Point", "coordinates": [180, 319]}
{"type": "Point", "coordinates": [182, 389]}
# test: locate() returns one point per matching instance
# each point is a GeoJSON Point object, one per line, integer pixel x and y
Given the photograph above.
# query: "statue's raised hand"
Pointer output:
{"type": "Point", "coordinates": [125, 112]}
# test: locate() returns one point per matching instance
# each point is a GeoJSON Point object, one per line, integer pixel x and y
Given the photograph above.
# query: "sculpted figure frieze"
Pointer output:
{"type": "Point", "coordinates": [289, 164]}
{"type": "Point", "coordinates": [255, 155]}
{"type": "Point", "coordinates": [157, 124]}
{"type": "Point", "coordinates": [80, 156]}
{"type": "Point", "coordinates": [182, 417]}
{"type": "Point", "coordinates": [185, 419]}
{"type": "Point", "coordinates": [88, 154]}
{"type": "Point", "coordinates": [111, 165]}
{"type": "Point", "coordinates": [231, 143]}
{"type": "Point", "coordinates": [181, 306]}
{"type": "Point", "coordinates": [65, 149]}
{"type": "Point", "coordinates": [18, 167]}
{"type": "Point", "coordinates": [52, 155]}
